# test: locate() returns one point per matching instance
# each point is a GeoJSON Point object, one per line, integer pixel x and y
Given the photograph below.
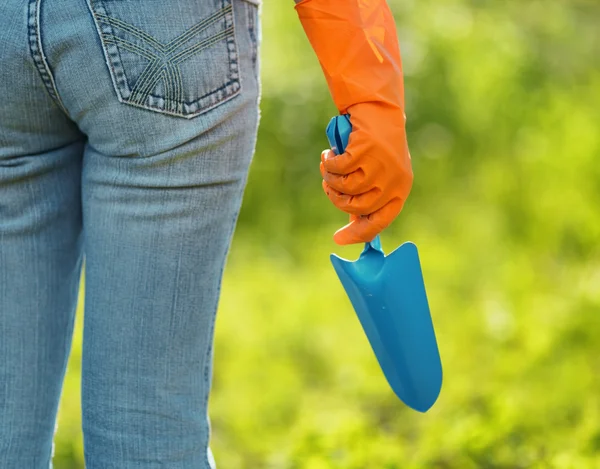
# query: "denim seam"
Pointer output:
{"type": "Point", "coordinates": [143, 97]}
{"type": "Point", "coordinates": [200, 46]}
{"type": "Point", "coordinates": [252, 12]}
{"type": "Point", "coordinates": [115, 75]}
{"type": "Point", "coordinates": [143, 87]}
{"type": "Point", "coordinates": [233, 57]}
{"type": "Point", "coordinates": [186, 36]}
{"type": "Point", "coordinates": [140, 34]}
{"type": "Point", "coordinates": [179, 82]}
{"type": "Point", "coordinates": [37, 53]}
{"type": "Point", "coordinates": [130, 46]}
{"type": "Point", "coordinates": [210, 349]}
{"type": "Point", "coordinates": [232, 47]}
{"type": "Point", "coordinates": [171, 90]}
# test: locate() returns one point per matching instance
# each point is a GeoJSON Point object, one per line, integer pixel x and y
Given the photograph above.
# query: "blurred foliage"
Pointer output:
{"type": "Point", "coordinates": [503, 106]}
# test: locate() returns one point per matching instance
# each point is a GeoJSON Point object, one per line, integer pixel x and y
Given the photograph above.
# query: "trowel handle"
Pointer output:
{"type": "Point", "coordinates": [338, 132]}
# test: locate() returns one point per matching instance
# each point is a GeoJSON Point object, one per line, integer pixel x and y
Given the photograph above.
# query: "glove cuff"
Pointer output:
{"type": "Point", "coordinates": [357, 46]}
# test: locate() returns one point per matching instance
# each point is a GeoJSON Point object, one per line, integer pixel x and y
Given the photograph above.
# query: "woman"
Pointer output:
{"type": "Point", "coordinates": [126, 133]}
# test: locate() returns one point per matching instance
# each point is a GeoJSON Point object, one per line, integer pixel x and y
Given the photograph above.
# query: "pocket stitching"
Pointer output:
{"type": "Point", "coordinates": [168, 104]}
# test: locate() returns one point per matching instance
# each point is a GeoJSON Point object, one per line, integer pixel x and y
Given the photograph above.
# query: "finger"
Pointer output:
{"type": "Point", "coordinates": [324, 155]}
{"type": "Point", "coordinates": [353, 184]}
{"type": "Point", "coordinates": [325, 187]}
{"type": "Point", "coordinates": [364, 229]}
{"type": "Point", "coordinates": [340, 164]}
{"type": "Point", "coordinates": [329, 153]}
{"type": "Point", "coordinates": [362, 204]}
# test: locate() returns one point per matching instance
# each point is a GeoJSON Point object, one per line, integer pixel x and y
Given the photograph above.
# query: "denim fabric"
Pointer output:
{"type": "Point", "coordinates": [127, 128]}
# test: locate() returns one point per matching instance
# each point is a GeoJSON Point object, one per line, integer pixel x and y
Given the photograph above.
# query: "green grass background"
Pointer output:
{"type": "Point", "coordinates": [503, 105]}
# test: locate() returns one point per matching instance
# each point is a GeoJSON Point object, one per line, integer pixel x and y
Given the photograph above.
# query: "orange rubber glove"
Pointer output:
{"type": "Point", "coordinates": [357, 46]}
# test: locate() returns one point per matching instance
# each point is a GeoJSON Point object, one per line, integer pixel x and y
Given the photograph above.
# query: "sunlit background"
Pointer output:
{"type": "Point", "coordinates": [503, 106]}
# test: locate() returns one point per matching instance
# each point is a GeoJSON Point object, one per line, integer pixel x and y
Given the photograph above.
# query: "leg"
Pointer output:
{"type": "Point", "coordinates": [161, 194]}
{"type": "Point", "coordinates": [155, 250]}
{"type": "Point", "coordinates": [40, 245]}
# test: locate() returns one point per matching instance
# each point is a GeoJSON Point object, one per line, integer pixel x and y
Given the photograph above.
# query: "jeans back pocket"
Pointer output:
{"type": "Point", "coordinates": [177, 58]}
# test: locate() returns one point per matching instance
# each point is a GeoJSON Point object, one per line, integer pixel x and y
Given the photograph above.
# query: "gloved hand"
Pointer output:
{"type": "Point", "coordinates": [357, 46]}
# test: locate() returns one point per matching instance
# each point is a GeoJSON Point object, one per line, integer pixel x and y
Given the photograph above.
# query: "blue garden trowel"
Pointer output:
{"type": "Point", "coordinates": [388, 295]}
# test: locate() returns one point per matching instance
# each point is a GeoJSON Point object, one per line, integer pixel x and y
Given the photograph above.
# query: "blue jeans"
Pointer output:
{"type": "Point", "coordinates": [127, 128]}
